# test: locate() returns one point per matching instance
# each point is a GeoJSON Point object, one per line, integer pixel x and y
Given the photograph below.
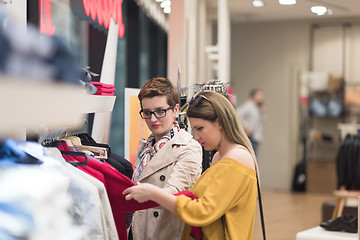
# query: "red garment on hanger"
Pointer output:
{"type": "Point", "coordinates": [115, 183]}
{"type": "Point", "coordinates": [70, 158]}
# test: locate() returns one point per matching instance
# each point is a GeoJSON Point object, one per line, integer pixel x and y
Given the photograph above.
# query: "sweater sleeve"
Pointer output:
{"type": "Point", "coordinates": [227, 186]}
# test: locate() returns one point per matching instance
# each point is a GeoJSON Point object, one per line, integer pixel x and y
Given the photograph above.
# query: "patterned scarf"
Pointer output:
{"type": "Point", "coordinates": [150, 148]}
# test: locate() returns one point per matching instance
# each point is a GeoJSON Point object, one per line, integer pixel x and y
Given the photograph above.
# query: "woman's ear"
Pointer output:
{"type": "Point", "coordinates": [176, 109]}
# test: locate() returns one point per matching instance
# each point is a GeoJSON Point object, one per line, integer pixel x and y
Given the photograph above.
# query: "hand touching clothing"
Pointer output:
{"type": "Point", "coordinates": [143, 192]}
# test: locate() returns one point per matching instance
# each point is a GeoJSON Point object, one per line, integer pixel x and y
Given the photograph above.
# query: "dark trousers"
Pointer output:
{"type": "Point", "coordinates": [255, 145]}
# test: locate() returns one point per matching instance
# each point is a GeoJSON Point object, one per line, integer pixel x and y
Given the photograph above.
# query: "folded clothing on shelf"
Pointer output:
{"type": "Point", "coordinates": [102, 85]}
{"type": "Point", "coordinates": [105, 94]}
{"type": "Point", "coordinates": [104, 89]}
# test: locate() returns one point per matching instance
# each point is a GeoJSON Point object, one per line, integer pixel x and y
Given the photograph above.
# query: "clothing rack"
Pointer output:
{"type": "Point", "coordinates": [49, 135]}
{"type": "Point", "coordinates": [191, 91]}
{"type": "Point", "coordinates": [188, 92]}
{"type": "Point", "coordinates": [216, 86]}
{"type": "Point", "coordinates": [51, 110]}
{"type": "Point", "coordinates": [348, 128]}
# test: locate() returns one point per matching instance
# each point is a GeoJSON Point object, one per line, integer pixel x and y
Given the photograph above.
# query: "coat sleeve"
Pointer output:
{"type": "Point", "coordinates": [187, 168]}
{"type": "Point", "coordinates": [222, 194]}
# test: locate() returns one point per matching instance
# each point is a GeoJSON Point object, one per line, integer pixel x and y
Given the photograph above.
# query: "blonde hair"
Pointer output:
{"type": "Point", "coordinates": [214, 106]}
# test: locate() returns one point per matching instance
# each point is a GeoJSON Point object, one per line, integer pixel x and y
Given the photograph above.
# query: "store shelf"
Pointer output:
{"type": "Point", "coordinates": [323, 151]}
{"type": "Point", "coordinates": [46, 105]}
{"type": "Point", "coordinates": [94, 103]}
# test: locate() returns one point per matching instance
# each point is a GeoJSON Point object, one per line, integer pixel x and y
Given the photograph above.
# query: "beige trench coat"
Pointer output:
{"type": "Point", "coordinates": [174, 168]}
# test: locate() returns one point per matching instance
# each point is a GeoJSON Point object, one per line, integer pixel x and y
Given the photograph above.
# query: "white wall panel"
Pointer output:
{"type": "Point", "coordinates": [352, 60]}
{"type": "Point", "coordinates": [328, 50]}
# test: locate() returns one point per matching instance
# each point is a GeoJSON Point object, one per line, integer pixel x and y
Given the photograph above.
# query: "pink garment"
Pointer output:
{"type": "Point", "coordinates": [102, 85]}
{"type": "Point", "coordinates": [106, 90]}
{"type": "Point", "coordinates": [104, 94]}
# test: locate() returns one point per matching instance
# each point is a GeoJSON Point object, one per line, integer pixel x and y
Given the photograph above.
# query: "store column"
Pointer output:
{"type": "Point", "coordinates": [223, 41]}
{"type": "Point", "coordinates": [192, 42]}
{"type": "Point", "coordinates": [177, 41]}
{"type": "Point", "coordinates": [202, 41]}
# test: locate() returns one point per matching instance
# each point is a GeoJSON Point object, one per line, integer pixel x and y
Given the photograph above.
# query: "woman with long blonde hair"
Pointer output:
{"type": "Point", "coordinates": [226, 192]}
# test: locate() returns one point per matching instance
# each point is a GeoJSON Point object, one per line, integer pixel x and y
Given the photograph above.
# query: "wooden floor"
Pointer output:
{"type": "Point", "coordinates": [287, 213]}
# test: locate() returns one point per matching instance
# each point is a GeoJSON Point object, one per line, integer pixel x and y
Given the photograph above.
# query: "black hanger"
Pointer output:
{"type": "Point", "coordinates": [87, 140]}
{"type": "Point", "coordinates": [75, 163]}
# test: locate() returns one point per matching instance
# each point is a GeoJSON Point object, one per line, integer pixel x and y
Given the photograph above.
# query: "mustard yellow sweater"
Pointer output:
{"type": "Point", "coordinates": [227, 187]}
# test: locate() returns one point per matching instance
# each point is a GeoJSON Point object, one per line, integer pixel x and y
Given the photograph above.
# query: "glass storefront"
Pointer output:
{"type": "Point", "coordinates": [141, 52]}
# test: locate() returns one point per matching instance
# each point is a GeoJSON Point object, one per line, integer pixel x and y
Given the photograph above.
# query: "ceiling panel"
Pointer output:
{"type": "Point", "coordinates": [243, 10]}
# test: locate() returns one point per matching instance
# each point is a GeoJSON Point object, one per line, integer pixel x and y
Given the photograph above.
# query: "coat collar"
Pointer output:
{"type": "Point", "coordinates": [165, 156]}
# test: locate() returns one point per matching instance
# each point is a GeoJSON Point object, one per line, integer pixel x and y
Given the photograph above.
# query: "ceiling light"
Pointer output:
{"type": "Point", "coordinates": [165, 4]}
{"type": "Point", "coordinates": [258, 3]}
{"type": "Point", "coordinates": [319, 10]}
{"type": "Point", "coordinates": [330, 12]}
{"type": "Point", "coordinates": [287, 2]}
{"type": "Point", "coordinates": [158, 0]}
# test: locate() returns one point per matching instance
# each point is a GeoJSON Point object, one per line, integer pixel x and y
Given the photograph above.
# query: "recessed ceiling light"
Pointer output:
{"type": "Point", "coordinates": [287, 2]}
{"type": "Point", "coordinates": [258, 3]}
{"type": "Point", "coordinates": [319, 10]}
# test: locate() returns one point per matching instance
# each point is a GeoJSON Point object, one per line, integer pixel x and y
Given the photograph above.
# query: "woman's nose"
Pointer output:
{"type": "Point", "coordinates": [153, 117]}
{"type": "Point", "coordinates": [196, 136]}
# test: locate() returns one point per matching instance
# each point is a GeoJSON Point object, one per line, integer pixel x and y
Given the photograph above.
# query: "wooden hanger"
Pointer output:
{"type": "Point", "coordinates": [101, 150]}
{"type": "Point", "coordinates": [75, 140]}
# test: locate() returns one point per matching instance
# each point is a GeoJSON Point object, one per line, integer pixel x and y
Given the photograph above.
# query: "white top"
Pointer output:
{"type": "Point", "coordinates": [93, 209]}
{"type": "Point", "coordinates": [251, 118]}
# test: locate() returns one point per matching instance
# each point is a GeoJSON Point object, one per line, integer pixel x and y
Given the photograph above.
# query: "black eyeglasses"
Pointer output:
{"type": "Point", "coordinates": [160, 113]}
{"type": "Point", "coordinates": [195, 101]}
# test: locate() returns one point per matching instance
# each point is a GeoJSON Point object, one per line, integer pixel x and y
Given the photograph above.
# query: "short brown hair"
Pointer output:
{"type": "Point", "coordinates": [159, 86]}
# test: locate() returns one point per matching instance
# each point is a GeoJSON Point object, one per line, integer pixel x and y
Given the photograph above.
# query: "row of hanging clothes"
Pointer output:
{"type": "Point", "coordinates": [83, 144]}
{"type": "Point", "coordinates": [64, 188]}
{"type": "Point", "coordinates": [348, 162]}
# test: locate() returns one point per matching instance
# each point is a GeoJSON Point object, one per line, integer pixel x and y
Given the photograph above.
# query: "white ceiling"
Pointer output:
{"type": "Point", "coordinates": [243, 10]}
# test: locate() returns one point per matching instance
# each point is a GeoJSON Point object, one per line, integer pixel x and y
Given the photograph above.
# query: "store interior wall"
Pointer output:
{"type": "Point", "coordinates": [270, 56]}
